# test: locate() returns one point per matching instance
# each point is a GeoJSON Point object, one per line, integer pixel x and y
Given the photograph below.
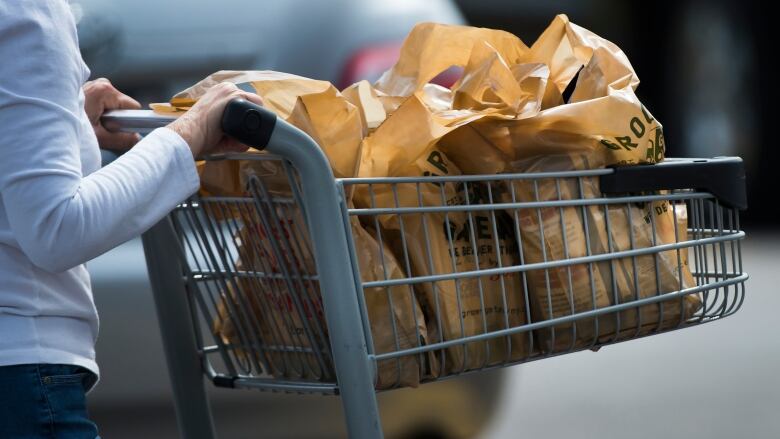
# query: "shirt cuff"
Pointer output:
{"type": "Point", "coordinates": [185, 163]}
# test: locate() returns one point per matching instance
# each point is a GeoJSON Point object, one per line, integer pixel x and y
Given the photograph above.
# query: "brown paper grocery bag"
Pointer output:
{"type": "Point", "coordinates": [501, 88]}
{"type": "Point", "coordinates": [219, 178]}
{"type": "Point", "coordinates": [505, 113]}
{"type": "Point", "coordinates": [395, 316]}
{"type": "Point", "coordinates": [620, 227]}
{"type": "Point", "coordinates": [431, 48]}
{"type": "Point", "coordinates": [636, 278]}
{"type": "Point", "coordinates": [338, 126]}
{"type": "Point", "coordinates": [488, 82]}
{"type": "Point", "coordinates": [286, 315]}
{"type": "Point", "coordinates": [374, 106]}
{"type": "Point", "coordinates": [285, 308]}
{"type": "Point", "coordinates": [553, 234]}
{"type": "Point", "coordinates": [316, 107]}
{"type": "Point", "coordinates": [489, 87]}
{"type": "Point", "coordinates": [456, 242]}
{"type": "Point", "coordinates": [440, 243]}
{"type": "Point", "coordinates": [605, 92]}
{"type": "Point", "coordinates": [603, 121]}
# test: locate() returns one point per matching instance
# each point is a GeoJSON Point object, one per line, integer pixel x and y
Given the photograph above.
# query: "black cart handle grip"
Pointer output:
{"type": "Point", "coordinates": [723, 177]}
{"type": "Point", "coordinates": [248, 123]}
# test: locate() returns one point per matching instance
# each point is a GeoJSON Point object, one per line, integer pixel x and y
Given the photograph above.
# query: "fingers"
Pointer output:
{"type": "Point", "coordinates": [100, 96]}
{"type": "Point", "coordinates": [107, 96]}
{"type": "Point", "coordinates": [230, 91]}
{"type": "Point", "coordinates": [115, 141]}
{"type": "Point", "coordinates": [229, 144]}
{"type": "Point", "coordinates": [251, 97]}
{"type": "Point", "coordinates": [201, 126]}
{"type": "Point", "coordinates": [126, 102]}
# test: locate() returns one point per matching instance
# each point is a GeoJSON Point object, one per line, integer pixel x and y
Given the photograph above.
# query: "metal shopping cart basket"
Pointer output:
{"type": "Point", "coordinates": [291, 287]}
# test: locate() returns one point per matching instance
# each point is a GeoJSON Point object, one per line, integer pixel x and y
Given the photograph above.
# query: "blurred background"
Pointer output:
{"type": "Point", "coordinates": [703, 67]}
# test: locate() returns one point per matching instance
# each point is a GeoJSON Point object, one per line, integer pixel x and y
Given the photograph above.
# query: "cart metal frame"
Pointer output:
{"type": "Point", "coordinates": [328, 215]}
{"type": "Point", "coordinates": [354, 370]}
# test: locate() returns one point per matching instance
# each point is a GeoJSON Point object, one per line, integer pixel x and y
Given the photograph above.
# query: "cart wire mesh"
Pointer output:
{"type": "Point", "coordinates": [456, 274]}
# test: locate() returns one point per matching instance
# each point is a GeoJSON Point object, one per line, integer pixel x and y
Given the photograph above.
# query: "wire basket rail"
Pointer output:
{"type": "Point", "coordinates": [471, 273]}
{"type": "Point", "coordinates": [306, 283]}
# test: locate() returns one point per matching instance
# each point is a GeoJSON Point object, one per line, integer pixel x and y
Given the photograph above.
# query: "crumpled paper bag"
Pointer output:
{"type": "Point", "coordinates": [441, 243]}
{"type": "Point", "coordinates": [316, 107]}
{"type": "Point", "coordinates": [282, 315]}
{"type": "Point", "coordinates": [602, 124]}
{"type": "Point", "coordinates": [507, 113]}
{"type": "Point", "coordinates": [338, 126]}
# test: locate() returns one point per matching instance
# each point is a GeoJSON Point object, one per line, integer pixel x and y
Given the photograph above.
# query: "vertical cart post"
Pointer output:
{"type": "Point", "coordinates": [176, 327]}
{"type": "Point", "coordinates": [260, 128]}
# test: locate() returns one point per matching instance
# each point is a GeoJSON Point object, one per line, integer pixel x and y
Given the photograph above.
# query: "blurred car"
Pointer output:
{"type": "Point", "coordinates": [151, 50]}
{"type": "Point", "coordinates": [156, 48]}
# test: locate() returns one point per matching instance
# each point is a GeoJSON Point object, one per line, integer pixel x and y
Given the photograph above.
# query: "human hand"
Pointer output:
{"type": "Point", "coordinates": [201, 125]}
{"type": "Point", "coordinates": [100, 96]}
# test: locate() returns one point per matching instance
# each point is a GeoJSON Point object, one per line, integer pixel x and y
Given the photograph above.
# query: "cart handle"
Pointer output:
{"type": "Point", "coordinates": [248, 123]}
{"type": "Point", "coordinates": [723, 177]}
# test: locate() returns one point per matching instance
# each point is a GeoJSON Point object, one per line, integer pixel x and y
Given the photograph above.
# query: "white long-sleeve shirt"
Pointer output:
{"type": "Point", "coordinates": [58, 209]}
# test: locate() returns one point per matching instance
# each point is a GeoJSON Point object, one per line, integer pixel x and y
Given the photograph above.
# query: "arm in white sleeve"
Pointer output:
{"type": "Point", "coordinates": [59, 217]}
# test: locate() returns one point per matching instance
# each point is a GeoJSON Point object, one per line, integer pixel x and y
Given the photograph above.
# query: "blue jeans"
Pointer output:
{"type": "Point", "coordinates": [45, 401]}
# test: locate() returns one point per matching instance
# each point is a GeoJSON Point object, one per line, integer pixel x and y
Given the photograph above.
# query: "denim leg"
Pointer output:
{"type": "Point", "coordinates": [24, 412]}
{"type": "Point", "coordinates": [45, 401]}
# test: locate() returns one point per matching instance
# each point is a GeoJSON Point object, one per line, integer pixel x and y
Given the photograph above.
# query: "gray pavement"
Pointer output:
{"type": "Point", "coordinates": [715, 381]}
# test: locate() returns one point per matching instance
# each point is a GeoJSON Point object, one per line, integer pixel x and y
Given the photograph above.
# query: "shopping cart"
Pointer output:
{"type": "Point", "coordinates": [269, 289]}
